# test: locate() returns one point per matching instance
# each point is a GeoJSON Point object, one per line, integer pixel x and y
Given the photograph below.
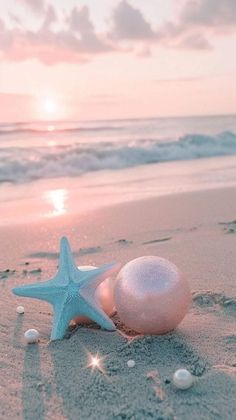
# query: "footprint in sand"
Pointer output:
{"type": "Point", "coordinates": [226, 306]}
{"type": "Point", "coordinates": [90, 250]}
{"type": "Point", "coordinates": [208, 299]}
{"type": "Point", "coordinates": [6, 273]}
{"type": "Point", "coordinates": [55, 255]}
{"type": "Point", "coordinates": [154, 241]}
{"type": "Point", "coordinates": [229, 227]}
{"type": "Point", "coordinates": [123, 242]}
{"type": "Point", "coordinates": [230, 342]}
{"type": "Point", "coordinates": [46, 255]}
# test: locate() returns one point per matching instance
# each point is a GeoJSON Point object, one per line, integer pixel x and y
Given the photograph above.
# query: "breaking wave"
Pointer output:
{"type": "Point", "coordinates": [26, 164]}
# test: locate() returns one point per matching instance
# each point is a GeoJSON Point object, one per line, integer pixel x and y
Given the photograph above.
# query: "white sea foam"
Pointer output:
{"type": "Point", "coordinates": [23, 164]}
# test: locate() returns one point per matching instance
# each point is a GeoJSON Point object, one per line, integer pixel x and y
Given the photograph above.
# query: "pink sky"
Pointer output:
{"type": "Point", "coordinates": [116, 59]}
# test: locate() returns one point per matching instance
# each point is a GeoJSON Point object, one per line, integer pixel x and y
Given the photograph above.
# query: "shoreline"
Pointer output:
{"type": "Point", "coordinates": [47, 199]}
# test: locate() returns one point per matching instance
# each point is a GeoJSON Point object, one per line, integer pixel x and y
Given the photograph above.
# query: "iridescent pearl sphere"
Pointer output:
{"type": "Point", "coordinates": [131, 363]}
{"type": "Point", "coordinates": [103, 294]}
{"type": "Point", "coordinates": [182, 379]}
{"type": "Point", "coordinates": [31, 336]}
{"type": "Point", "coordinates": [151, 295]}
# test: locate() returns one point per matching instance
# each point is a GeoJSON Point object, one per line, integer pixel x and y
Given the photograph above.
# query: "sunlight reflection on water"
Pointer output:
{"type": "Point", "coordinates": [57, 199]}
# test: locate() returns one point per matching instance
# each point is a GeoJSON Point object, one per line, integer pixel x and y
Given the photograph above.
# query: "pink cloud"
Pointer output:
{"type": "Point", "coordinates": [130, 24]}
{"type": "Point", "coordinates": [209, 13]}
{"type": "Point", "coordinates": [198, 21]}
{"type": "Point", "coordinates": [78, 41]}
{"type": "Point", "coordinates": [80, 25]}
{"type": "Point", "coordinates": [74, 44]}
{"type": "Point", "coordinates": [36, 6]}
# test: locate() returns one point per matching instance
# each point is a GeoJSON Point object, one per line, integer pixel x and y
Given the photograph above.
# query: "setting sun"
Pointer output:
{"type": "Point", "coordinates": [49, 106]}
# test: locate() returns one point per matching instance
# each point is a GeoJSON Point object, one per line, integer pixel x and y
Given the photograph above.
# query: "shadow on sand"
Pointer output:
{"type": "Point", "coordinates": [32, 392]}
{"type": "Point", "coordinates": [17, 334]}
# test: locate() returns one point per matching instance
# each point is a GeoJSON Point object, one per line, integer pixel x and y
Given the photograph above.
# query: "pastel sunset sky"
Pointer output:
{"type": "Point", "coordinates": [88, 59]}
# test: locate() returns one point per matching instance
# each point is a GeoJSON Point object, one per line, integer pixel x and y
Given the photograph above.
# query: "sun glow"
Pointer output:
{"type": "Point", "coordinates": [57, 199]}
{"type": "Point", "coordinates": [51, 128]}
{"type": "Point", "coordinates": [50, 106]}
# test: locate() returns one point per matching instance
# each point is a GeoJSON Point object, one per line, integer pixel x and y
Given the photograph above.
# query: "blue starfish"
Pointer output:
{"type": "Point", "coordinates": [71, 292]}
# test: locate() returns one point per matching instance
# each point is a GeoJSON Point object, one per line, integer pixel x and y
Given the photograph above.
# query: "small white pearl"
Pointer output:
{"type": "Point", "coordinates": [182, 379]}
{"type": "Point", "coordinates": [131, 363]}
{"type": "Point", "coordinates": [20, 309]}
{"type": "Point", "coordinates": [31, 336]}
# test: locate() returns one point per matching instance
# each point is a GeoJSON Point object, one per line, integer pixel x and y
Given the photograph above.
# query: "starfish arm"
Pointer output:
{"type": "Point", "coordinates": [67, 266]}
{"type": "Point", "coordinates": [43, 291]}
{"type": "Point", "coordinates": [64, 311]}
{"type": "Point", "coordinates": [94, 312]}
{"type": "Point", "coordinates": [98, 275]}
{"type": "Point", "coordinates": [101, 318]}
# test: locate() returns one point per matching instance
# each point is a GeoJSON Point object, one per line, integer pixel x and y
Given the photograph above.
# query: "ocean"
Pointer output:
{"type": "Point", "coordinates": [41, 150]}
{"type": "Point", "coordinates": [50, 169]}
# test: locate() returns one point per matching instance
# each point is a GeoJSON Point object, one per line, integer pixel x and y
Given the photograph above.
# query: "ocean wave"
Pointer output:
{"type": "Point", "coordinates": [26, 164]}
{"type": "Point", "coordinates": [18, 130]}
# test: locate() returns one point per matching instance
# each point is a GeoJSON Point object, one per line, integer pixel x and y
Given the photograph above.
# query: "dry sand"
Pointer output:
{"type": "Point", "coordinates": [50, 381]}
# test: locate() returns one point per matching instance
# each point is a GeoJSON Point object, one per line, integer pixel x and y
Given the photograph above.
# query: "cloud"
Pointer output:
{"type": "Point", "coordinates": [76, 43]}
{"type": "Point", "coordinates": [5, 37]}
{"type": "Point", "coordinates": [2, 26]}
{"type": "Point", "coordinates": [209, 13]}
{"type": "Point", "coordinates": [36, 6]}
{"type": "Point", "coordinates": [74, 38]}
{"type": "Point", "coordinates": [195, 41]}
{"type": "Point", "coordinates": [81, 25]}
{"type": "Point", "coordinates": [14, 19]}
{"type": "Point", "coordinates": [50, 18]}
{"type": "Point", "coordinates": [129, 23]}
{"type": "Point", "coordinates": [198, 22]}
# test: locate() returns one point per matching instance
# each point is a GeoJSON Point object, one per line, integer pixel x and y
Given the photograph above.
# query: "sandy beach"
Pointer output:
{"type": "Point", "coordinates": [195, 230]}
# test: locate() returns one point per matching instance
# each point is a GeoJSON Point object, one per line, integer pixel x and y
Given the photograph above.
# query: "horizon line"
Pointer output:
{"type": "Point", "coordinates": [61, 121]}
